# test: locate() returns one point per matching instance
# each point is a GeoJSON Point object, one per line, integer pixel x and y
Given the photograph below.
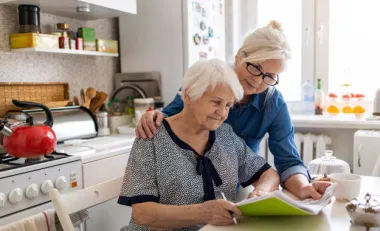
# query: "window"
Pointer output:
{"type": "Point", "coordinates": [354, 45]}
{"type": "Point", "coordinates": [291, 21]}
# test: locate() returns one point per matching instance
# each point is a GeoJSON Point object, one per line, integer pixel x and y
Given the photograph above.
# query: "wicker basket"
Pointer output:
{"type": "Point", "coordinates": [49, 94]}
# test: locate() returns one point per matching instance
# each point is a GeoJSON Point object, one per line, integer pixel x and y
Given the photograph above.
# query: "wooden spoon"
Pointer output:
{"type": "Point", "coordinates": [76, 101]}
{"type": "Point", "coordinates": [82, 97]}
{"type": "Point", "coordinates": [90, 94]}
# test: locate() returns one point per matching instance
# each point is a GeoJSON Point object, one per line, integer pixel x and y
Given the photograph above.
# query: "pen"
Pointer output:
{"type": "Point", "coordinates": [232, 214]}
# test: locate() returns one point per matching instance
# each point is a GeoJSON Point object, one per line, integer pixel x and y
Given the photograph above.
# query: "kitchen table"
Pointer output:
{"type": "Point", "coordinates": [333, 217]}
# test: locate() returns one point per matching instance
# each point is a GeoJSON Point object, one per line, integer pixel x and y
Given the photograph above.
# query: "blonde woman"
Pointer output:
{"type": "Point", "coordinates": [176, 180]}
{"type": "Point", "coordinates": [258, 64]}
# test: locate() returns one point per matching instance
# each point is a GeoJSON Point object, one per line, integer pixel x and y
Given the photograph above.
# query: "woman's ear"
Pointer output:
{"type": "Point", "coordinates": [238, 57]}
{"type": "Point", "coordinates": [186, 98]}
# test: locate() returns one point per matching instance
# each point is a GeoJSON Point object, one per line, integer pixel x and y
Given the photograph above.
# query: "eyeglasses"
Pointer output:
{"type": "Point", "coordinates": [269, 79]}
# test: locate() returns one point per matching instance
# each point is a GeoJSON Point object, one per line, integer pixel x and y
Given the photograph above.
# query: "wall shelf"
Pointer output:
{"type": "Point", "coordinates": [65, 51]}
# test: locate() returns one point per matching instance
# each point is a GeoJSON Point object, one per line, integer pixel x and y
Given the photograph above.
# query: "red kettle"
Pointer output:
{"type": "Point", "coordinates": [28, 140]}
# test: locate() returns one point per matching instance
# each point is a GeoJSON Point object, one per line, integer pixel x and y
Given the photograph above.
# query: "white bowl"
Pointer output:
{"type": "Point", "coordinates": [348, 185]}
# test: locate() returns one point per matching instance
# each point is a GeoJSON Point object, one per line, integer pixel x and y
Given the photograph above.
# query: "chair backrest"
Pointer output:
{"type": "Point", "coordinates": [67, 204]}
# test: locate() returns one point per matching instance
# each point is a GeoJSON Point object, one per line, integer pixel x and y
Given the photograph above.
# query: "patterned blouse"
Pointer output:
{"type": "Point", "coordinates": [168, 171]}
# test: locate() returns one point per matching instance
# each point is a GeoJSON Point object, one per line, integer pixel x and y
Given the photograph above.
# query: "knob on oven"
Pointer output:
{"type": "Point", "coordinates": [2, 200]}
{"type": "Point", "coordinates": [46, 186]}
{"type": "Point", "coordinates": [31, 191]}
{"type": "Point", "coordinates": [61, 183]}
{"type": "Point", "coordinates": [15, 196]}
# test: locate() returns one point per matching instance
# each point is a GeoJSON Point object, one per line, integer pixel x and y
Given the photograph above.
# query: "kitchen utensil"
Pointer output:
{"type": "Point", "coordinates": [29, 140]}
{"type": "Point", "coordinates": [82, 97]}
{"type": "Point", "coordinates": [328, 164]}
{"type": "Point", "coordinates": [97, 102]}
{"type": "Point", "coordinates": [348, 185]}
{"type": "Point", "coordinates": [74, 122]}
{"type": "Point", "coordinates": [90, 94]}
{"type": "Point", "coordinates": [364, 212]}
{"type": "Point", "coordinates": [76, 101]}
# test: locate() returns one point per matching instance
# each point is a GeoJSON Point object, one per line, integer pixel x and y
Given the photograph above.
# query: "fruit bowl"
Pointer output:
{"type": "Point", "coordinates": [359, 115]}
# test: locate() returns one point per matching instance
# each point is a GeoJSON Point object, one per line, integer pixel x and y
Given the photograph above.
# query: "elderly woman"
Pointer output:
{"type": "Point", "coordinates": [176, 179]}
{"type": "Point", "coordinates": [258, 63]}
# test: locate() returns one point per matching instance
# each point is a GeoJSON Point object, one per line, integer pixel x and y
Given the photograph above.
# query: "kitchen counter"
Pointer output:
{"type": "Point", "coordinates": [328, 121]}
{"type": "Point", "coordinates": [99, 148]}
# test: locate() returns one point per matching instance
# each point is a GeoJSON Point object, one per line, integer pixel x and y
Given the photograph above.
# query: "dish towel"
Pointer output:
{"type": "Point", "coordinates": [44, 221]}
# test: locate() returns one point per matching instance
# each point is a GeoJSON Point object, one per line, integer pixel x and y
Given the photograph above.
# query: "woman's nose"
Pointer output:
{"type": "Point", "coordinates": [259, 79]}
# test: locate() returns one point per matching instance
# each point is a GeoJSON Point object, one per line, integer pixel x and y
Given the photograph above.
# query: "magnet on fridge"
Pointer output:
{"type": "Point", "coordinates": [210, 48]}
{"type": "Point", "coordinates": [202, 25]}
{"type": "Point", "coordinates": [197, 39]}
{"type": "Point", "coordinates": [197, 7]}
{"type": "Point", "coordinates": [203, 55]}
{"type": "Point", "coordinates": [210, 32]}
{"type": "Point", "coordinates": [204, 12]}
{"type": "Point", "coordinates": [205, 40]}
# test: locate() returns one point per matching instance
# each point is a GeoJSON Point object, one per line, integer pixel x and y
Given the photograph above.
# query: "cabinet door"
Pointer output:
{"type": "Point", "coordinates": [128, 6]}
{"type": "Point", "coordinates": [365, 154]}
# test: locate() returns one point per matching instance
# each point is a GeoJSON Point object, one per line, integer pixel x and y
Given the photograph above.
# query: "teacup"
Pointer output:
{"type": "Point", "coordinates": [348, 185]}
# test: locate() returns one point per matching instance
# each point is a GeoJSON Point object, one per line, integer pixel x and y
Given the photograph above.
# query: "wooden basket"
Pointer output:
{"type": "Point", "coordinates": [49, 94]}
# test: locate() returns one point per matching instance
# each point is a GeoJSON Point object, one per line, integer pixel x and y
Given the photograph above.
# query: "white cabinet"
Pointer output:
{"type": "Point", "coordinates": [366, 151]}
{"type": "Point", "coordinates": [98, 9]}
{"type": "Point", "coordinates": [128, 6]}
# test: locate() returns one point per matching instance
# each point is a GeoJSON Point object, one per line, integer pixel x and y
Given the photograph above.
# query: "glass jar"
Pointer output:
{"type": "Point", "coordinates": [328, 164]}
{"type": "Point", "coordinates": [141, 106]}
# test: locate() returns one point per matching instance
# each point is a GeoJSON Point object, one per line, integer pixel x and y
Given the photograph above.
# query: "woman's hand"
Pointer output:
{"type": "Point", "coordinates": [145, 127]}
{"type": "Point", "coordinates": [257, 193]}
{"type": "Point", "coordinates": [216, 212]}
{"type": "Point", "coordinates": [314, 190]}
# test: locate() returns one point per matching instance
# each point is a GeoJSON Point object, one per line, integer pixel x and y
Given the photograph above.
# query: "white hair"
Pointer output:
{"type": "Point", "coordinates": [265, 43]}
{"type": "Point", "coordinates": [206, 75]}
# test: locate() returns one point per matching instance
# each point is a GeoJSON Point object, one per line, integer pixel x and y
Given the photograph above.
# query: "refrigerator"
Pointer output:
{"type": "Point", "coordinates": [168, 36]}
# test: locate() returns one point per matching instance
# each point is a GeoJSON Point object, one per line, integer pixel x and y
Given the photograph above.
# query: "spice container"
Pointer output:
{"type": "Point", "coordinates": [102, 118]}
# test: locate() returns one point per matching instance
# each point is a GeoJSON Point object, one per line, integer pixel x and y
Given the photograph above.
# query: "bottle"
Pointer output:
{"type": "Point", "coordinates": [319, 99]}
{"type": "Point", "coordinates": [129, 109]}
{"type": "Point", "coordinates": [109, 109]}
{"type": "Point", "coordinates": [307, 98]}
{"type": "Point", "coordinates": [116, 107]}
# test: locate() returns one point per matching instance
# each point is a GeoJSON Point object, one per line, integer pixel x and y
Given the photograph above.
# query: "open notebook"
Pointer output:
{"type": "Point", "coordinates": [279, 203]}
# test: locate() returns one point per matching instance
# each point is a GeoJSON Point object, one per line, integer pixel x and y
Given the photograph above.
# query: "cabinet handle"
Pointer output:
{"type": "Point", "coordinates": [359, 157]}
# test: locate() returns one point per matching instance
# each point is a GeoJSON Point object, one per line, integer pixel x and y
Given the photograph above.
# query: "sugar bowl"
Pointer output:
{"type": "Point", "coordinates": [364, 212]}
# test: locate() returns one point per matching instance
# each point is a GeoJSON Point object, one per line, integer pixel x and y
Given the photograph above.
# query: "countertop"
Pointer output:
{"type": "Point", "coordinates": [338, 121]}
{"type": "Point", "coordinates": [99, 147]}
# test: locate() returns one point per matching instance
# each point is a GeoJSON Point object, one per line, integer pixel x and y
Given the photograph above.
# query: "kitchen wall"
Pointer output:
{"type": "Point", "coordinates": [78, 70]}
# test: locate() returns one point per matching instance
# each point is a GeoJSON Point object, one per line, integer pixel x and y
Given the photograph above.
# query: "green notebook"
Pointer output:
{"type": "Point", "coordinates": [278, 203]}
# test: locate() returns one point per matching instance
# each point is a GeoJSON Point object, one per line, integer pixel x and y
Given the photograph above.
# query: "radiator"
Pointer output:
{"type": "Point", "coordinates": [310, 146]}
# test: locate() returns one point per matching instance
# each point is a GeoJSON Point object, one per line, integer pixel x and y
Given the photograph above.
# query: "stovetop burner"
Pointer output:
{"type": "Point", "coordinates": [8, 162]}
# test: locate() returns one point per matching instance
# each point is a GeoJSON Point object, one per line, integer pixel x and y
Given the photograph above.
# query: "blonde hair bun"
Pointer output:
{"type": "Point", "coordinates": [275, 25]}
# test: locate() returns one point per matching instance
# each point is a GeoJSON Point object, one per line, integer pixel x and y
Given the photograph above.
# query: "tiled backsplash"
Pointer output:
{"type": "Point", "coordinates": [78, 70]}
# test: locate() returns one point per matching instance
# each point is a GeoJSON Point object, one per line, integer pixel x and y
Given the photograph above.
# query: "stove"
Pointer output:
{"type": "Point", "coordinates": [25, 183]}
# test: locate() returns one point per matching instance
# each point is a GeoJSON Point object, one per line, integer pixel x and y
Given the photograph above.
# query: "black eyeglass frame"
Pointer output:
{"type": "Point", "coordinates": [276, 81]}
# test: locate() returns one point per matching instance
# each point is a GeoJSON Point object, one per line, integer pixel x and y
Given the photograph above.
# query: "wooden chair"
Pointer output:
{"type": "Point", "coordinates": [67, 204]}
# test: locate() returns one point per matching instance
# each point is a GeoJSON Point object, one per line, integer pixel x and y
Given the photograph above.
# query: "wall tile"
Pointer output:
{"type": "Point", "coordinates": [79, 71]}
